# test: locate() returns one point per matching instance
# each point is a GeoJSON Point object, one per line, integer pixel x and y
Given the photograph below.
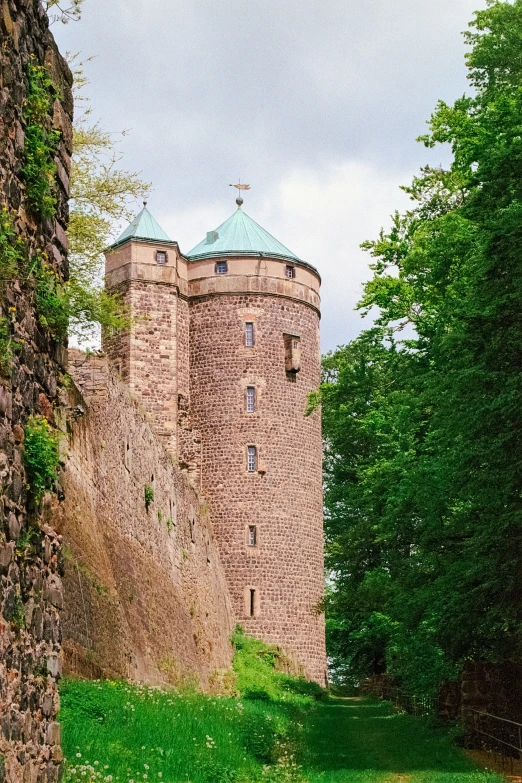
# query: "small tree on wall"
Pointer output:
{"type": "Point", "coordinates": [58, 13]}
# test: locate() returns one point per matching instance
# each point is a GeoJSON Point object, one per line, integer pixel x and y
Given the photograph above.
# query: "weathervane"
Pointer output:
{"type": "Point", "coordinates": [240, 187]}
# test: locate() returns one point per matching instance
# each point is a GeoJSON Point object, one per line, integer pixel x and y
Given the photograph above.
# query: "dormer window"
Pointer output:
{"type": "Point", "coordinates": [221, 268]}
{"type": "Point", "coordinates": [290, 271]}
{"type": "Point", "coordinates": [161, 257]}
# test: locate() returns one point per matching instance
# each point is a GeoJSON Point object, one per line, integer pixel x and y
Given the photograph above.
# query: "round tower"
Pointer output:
{"type": "Point", "coordinates": [254, 358]}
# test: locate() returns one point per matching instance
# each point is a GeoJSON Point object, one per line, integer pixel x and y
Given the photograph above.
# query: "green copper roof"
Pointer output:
{"type": "Point", "coordinates": [143, 227]}
{"type": "Point", "coordinates": [240, 234]}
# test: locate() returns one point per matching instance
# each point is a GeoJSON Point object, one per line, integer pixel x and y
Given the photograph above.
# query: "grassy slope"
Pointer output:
{"type": "Point", "coordinates": [276, 732]}
{"type": "Point", "coordinates": [134, 733]}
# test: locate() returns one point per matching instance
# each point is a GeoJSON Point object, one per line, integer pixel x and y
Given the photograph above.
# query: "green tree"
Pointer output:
{"type": "Point", "coordinates": [101, 197]}
{"type": "Point", "coordinates": [64, 13]}
{"type": "Point", "coordinates": [424, 435]}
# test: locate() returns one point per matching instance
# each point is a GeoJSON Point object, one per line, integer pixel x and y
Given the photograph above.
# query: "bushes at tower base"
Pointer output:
{"type": "Point", "coordinates": [119, 732]}
{"type": "Point", "coordinates": [258, 668]}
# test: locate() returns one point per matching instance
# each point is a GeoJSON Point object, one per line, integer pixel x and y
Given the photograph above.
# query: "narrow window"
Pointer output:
{"type": "Point", "coordinates": [172, 513]}
{"type": "Point", "coordinates": [252, 607]}
{"type": "Point", "coordinates": [252, 535]}
{"type": "Point", "coordinates": [221, 268]}
{"type": "Point", "coordinates": [249, 334]}
{"type": "Point", "coordinates": [192, 524]}
{"type": "Point", "coordinates": [161, 257]}
{"type": "Point", "coordinates": [290, 271]}
{"type": "Point", "coordinates": [128, 453]}
{"type": "Point", "coordinates": [251, 399]}
{"type": "Point", "coordinates": [252, 459]}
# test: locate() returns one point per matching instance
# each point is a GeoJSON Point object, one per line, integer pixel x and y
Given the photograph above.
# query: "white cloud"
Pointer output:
{"type": "Point", "coordinates": [316, 104]}
{"type": "Point", "coordinates": [322, 216]}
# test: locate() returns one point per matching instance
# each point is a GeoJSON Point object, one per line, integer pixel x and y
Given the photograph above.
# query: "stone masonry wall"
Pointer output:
{"type": "Point", "coordinates": [283, 497]}
{"type": "Point", "coordinates": [145, 597]}
{"type": "Point", "coordinates": [30, 589]}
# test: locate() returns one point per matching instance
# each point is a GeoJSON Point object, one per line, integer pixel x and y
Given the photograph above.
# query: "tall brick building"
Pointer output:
{"type": "Point", "coordinates": [222, 354]}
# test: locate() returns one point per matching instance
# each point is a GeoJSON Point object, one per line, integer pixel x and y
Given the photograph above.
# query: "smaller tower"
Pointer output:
{"type": "Point", "coordinates": [151, 356]}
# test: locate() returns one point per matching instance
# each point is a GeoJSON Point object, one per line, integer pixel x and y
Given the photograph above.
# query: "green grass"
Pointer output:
{"type": "Point", "coordinates": [140, 733]}
{"type": "Point", "coordinates": [362, 741]}
{"type": "Point", "coordinates": [279, 729]}
{"type": "Point", "coordinates": [114, 731]}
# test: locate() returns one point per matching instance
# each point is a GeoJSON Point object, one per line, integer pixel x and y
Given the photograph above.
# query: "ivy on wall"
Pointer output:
{"type": "Point", "coordinates": [41, 142]}
{"type": "Point", "coordinates": [41, 455]}
{"type": "Point", "coordinates": [51, 298]}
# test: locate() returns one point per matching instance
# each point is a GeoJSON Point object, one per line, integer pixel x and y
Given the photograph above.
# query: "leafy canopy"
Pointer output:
{"type": "Point", "coordinates": [101, 197]}
{"type": "Point", "coordinates": [422, 414]}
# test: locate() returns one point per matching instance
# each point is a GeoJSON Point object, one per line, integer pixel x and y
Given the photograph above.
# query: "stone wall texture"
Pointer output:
{"type": "Point", "coordinates": [145, 595]}
{"type": "Point", "coordinates": [30, 561]}
{"type": "Point", "coordinates": [283, 497]}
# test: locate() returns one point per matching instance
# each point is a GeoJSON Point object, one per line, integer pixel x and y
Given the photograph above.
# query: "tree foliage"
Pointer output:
{"type": "Point", "coordinates": [424, 434]}
{"type": "Point", "coordinates": [101, 195]}
{"type": "Point", "coordinates": [63, 12]}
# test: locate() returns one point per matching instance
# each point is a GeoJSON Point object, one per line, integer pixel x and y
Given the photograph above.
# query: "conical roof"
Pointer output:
{"type": "Point", "coordinates": [144, 226]}
{"type": "Point", "coordinates": [240, 235]}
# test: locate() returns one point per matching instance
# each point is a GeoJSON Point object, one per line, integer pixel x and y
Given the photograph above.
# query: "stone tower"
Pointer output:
{"type": "Point", "coordinates": [223, 354]}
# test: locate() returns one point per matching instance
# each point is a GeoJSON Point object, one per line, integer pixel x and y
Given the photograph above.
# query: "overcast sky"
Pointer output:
{"type": "Point", "coordinates": [315, 103]}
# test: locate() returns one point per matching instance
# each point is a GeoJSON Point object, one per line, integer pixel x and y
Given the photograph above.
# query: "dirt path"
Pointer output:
{"type": "Point", "coordinates": [362, 741]}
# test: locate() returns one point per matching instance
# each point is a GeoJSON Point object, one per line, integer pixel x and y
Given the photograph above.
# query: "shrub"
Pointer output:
{"type": "Point", "coordinates": [41, 455]}
{"type": "Point", "coordinates": [6, 348]}
{"type": "Point", "coordinates": [41, 141]}
{"type": "Point", "coordinates": [149, 496]}
{"type": "Point", "coordinates": [52, 299]}
{"type": "Point", "coordinates": [12, 248]}
{"type": "Point", "coordinates": [258, 678]}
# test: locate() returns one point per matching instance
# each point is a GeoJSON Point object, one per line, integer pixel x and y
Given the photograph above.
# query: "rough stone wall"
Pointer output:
{"type": "Point", "coordinates": [283, 497]}
{"type": "Point", "coordinates": [188, 440]}
{"type": "Point", "coordinates": [144, 598]}
{"type": "Point", "coordinates": [30, 589]}
{"type": "Point", "coordinates": [153, 352]}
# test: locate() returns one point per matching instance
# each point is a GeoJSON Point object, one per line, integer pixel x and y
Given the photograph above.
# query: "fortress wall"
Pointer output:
{"type": "Point", "coordinates": [140, 601]}
{"type": "Point", "coordinates": [30, 592]}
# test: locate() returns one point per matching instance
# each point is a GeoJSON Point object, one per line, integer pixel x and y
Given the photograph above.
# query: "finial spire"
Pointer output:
{"type": "Point", "coordinates": [240, 187]}
{"type": "Point", "coordinates": [144, 204]}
